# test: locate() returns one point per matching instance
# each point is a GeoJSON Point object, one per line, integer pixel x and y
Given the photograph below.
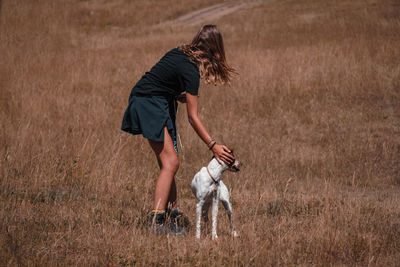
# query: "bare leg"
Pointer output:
{"type": "Point", "coordinates": [169, 164]}
{"type": "Point", "coordinates": [172, 195]}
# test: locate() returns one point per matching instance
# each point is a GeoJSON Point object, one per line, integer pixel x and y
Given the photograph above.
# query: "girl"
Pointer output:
{"type": "Point", "coordinates": [152, 109]}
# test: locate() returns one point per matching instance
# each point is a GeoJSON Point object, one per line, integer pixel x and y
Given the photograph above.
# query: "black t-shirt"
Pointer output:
{"type": "Point", "coordinates": [171, 76]}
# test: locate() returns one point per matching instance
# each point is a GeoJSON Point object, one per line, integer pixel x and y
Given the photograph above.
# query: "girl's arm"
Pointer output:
{"type": "Point", "coordinates": [221, 152]}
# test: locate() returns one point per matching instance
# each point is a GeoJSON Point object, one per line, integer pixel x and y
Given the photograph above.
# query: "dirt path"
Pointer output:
{"type": "Point", "coordinates": [215, 12]}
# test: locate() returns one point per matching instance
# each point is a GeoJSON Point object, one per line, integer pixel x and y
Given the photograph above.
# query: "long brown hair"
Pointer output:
{"type": "Point", "coordinates": [207, 51]}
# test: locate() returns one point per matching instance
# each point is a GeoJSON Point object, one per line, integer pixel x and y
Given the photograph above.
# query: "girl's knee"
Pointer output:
{"type": "Point", "coordinates": [175, 164]}
{"type": "Point", "coordinates": [172, 164]}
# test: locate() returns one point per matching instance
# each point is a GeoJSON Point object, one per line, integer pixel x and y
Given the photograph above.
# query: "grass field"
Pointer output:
{"type": "Point", "coordinates": [314, 116]}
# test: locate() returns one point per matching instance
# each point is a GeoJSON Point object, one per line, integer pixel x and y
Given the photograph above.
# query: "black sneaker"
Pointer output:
{"type": "Point", "coordinates": [157, 223]}
{"type": "Point", "coordinates": [175, 222]}
{"type": "Point", "coordinates": [173, 213]}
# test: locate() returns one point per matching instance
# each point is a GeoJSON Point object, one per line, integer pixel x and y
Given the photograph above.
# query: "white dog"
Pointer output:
{"type": "Point", "coordinates": [208, 189]}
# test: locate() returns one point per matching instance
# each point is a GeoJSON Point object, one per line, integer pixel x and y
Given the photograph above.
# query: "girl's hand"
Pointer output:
{"type": "Point", "coordinates": [223, 153]}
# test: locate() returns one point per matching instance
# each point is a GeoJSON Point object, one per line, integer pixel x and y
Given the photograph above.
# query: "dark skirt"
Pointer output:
{"type": "Point", "coordinates": [148, 115]}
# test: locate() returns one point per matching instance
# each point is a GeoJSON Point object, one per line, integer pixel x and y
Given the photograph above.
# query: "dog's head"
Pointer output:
{"type": "Point", "coordinates": [235, 166]}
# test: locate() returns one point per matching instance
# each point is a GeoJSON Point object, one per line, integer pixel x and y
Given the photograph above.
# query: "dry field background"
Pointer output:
{"type": "Point", "coordinates": [314, 115]}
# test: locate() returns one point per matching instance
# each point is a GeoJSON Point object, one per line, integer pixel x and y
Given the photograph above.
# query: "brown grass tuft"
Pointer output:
{"type": "Point", "coordinates": [314, 116]}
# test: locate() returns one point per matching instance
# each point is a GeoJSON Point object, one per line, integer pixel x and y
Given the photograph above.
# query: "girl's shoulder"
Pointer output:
{"type": "Point", "coordinates": [177, 55]}
{"type": "Point", "coordinates": [181, 58]}
{"type": "Point", "coordinates": [174, 51]}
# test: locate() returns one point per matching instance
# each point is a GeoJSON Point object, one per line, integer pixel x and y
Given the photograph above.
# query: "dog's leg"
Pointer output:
{"type": "Point", "coordinates": [204, 214]}
{"type": "Point", "coordinates": [227, 206]}
{"type": "Point", "coordinates": [214, 214]}
{"type": "Point", "coordinates": [199, 208]}
{"type": "Point", "coordinates": [224, 197]}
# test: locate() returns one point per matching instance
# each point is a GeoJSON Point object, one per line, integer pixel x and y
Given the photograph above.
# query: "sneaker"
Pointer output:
{"type": "Point", "coordinates": [173, 213]}
{"type": "Point", "coordinates": [175, 222]}
{"type": "Point", "coordinates": [160, 225]}
{"type": "Point", "coordinates": [157, 223]}
{"type": "Point", "coordinates": [176, 229]}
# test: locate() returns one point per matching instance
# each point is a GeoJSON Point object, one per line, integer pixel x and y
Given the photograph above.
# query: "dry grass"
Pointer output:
{"type": "Point", "coordinates": [314, 116]}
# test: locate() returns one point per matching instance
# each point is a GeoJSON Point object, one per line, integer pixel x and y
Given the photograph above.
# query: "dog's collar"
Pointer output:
{"type": "Point", "coordinates": [215, 181]}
